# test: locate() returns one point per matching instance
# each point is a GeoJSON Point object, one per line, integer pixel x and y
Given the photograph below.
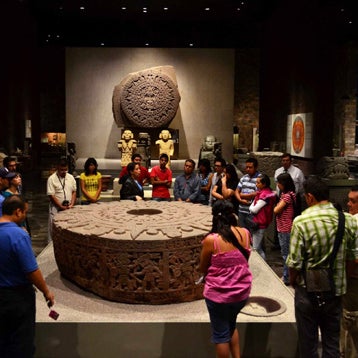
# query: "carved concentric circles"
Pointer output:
{"type": "Point", "coordinates": [149, 99]}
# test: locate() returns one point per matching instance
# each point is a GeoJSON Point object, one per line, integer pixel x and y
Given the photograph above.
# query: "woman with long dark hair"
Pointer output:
{"type": "Point", "coordinates": [226, 186]}
{"type": "Point", "coordinates": [131, 189]}
{"type": "Point", "coordinates": [91, 182]}
{"type": "Point", "coordinates": [224, 263]}
{"type": "Point", "coordinates": [284, 211]}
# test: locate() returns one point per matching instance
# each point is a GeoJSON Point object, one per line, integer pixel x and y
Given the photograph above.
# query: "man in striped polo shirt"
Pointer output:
{"type": "Point", "coordinates": [246, 192]}
{"type": "Point", "coordinates": [312, 240]}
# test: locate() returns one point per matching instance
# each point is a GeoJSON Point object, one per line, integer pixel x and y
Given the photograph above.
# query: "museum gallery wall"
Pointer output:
{"type": "Point", "coordinates": [205, 80]}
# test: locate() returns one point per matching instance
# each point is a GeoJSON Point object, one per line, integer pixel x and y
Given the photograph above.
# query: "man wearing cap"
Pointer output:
{"type": "Point", "coordinates": [5, 177]}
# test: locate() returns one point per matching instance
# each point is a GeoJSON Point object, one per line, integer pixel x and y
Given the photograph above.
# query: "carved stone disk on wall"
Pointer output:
{"type": "Point", "coordinates": [133, 252]}
{"type": "Point", "coordinates": [148, 99]}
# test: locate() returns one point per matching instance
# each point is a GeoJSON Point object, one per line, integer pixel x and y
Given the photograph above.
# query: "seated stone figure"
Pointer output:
{"type": "Point", "coordinates": [210, 149]}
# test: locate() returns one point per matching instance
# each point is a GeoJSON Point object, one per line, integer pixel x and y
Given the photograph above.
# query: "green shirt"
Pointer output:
{"type": "Point", "coordinates": [313, 234]}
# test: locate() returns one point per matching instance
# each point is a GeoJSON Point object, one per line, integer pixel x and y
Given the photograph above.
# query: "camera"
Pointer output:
{"type": "Point", "coordinates": [65, 203]}
{"type": "Point", "coordinates": [53, 314]}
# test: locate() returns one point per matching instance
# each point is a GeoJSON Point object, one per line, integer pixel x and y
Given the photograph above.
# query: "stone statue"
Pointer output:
{"type": "Point", "coordinates": [166, 145]}
{"type": "Point", "coordinates": [143, 148]}
{"type": "Point", "coordinates": [127, 146]}
{"type": "Point", "coordinates": [210, 149]}
{"type": "Point", "coordinates": [333, 168]}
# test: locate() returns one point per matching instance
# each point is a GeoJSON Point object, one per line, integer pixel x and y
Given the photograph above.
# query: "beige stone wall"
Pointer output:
{"type": "Point", "coordinates": [205, 82]}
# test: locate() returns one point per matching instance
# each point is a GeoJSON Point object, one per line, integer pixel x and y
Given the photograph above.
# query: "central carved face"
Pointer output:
{"type": "Point", "coordinates": [149, 99]}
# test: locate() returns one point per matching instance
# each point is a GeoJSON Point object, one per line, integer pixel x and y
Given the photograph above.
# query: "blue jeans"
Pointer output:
{"type": "Point", "coordinates": [257, 237]}
{"type": "Point", "coordinates": [223, 319]}
{"type": "Point", "coordinates": [284, 240]}
{"type": "Point", "coordinates": [310, 317]}
{"type": "Point", "coordinates": [244, 220]}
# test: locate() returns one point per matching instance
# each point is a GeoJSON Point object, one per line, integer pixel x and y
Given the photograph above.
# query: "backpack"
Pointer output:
{"type": "Point", "coordinates": [297, 205]}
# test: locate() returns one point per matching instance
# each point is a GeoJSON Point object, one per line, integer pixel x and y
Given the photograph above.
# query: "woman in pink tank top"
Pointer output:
{"type": "Point", "coordinates": [224, 263]}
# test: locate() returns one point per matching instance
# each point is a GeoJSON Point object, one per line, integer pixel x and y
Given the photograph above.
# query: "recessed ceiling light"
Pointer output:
{"type": "Point", "coordinates": [147, 44]}
{"type": "Point", "coordinates": [238, 9]}
{"type": "Point", "coordinates": [82, 7]}
{"type": "Point", "coordinates": [124, 8]}
{"type": "Point", "coordinates": [144, 8]}
{"type": "Point", "coordinates": [350, 22]}
{"type": "Point", "coordinates": [102, 43]}
{"type": "Point", "coordinates": [207, 9]}
{"type": "Point", "coordinates": [165, 8]}
{"type": "Point", "coordinates": [191, 45]}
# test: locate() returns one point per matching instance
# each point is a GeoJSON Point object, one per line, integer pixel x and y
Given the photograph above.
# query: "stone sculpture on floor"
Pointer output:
{"type": "Point", "coordinates": [133, 251]}
{"type": "Point", "coordinates": [127, 145]}
{"type": "Point", "coordinates": [210, 149]}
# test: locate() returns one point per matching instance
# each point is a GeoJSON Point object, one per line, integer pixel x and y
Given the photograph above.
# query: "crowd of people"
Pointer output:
{"type": "Point", "coordinates": [320, 241]}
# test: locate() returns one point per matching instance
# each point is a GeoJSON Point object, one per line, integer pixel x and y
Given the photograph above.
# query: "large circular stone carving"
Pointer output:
{"type": "Point", "coordinates": [133, 252]}
{"type": "Point", "coordinates": [149, 99]}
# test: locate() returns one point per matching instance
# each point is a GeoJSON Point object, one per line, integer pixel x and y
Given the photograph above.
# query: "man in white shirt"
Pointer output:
{"type": "Point", "coordinates": [61, 190]}
{"type": "Point", "coordinates": [296, 173]}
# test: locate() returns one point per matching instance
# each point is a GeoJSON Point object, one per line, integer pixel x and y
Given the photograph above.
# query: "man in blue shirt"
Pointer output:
{"type": "Point", "coordinates": [187, 185]}
{"type": "Point", "coordinates": [18, 272]}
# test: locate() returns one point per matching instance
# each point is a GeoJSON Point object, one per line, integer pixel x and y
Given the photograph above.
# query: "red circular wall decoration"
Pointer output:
{"type": "Point", "coordinates": [298, 134]}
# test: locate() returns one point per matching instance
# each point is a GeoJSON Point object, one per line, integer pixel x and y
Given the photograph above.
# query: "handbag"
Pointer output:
{"type": "Point", "coordinates": [320, 280]}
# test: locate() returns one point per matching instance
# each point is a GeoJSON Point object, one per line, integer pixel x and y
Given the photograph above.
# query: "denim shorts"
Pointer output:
{"type": "Point", "coordinates": [223, 319]}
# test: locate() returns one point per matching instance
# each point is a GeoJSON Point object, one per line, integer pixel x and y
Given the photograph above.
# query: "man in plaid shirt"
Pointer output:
{"type": "Point", "coordinates": [312, 239]}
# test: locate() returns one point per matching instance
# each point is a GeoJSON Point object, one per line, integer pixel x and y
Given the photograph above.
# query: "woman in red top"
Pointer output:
{"type": "Point", "coordinates": [284, 212]}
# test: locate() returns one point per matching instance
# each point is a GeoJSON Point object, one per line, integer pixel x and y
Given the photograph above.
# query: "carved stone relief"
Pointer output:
{"type": "Point", "coordinates": [147, 99]}
{"type": "Point", "coordinates": [133, 252]}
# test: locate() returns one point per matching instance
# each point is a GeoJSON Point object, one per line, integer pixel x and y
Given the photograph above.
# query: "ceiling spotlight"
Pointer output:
{"type": "Point", "coordinates": [350, 22]}
{"type": "Point", "coordinates": [165, 8]}
{"type": "Point", "coordinates": [102, 43]}
{"type": "Point", "coordinates": [191, 45]}
{"type": "Point", "coordinates": [147, 44]}
{"type": "Point", "coordinates": [207, 9]}
{"type": "Point", "coordinates": [238, 9]}
{"type": "Point", "coordinates": [82, 7]}
{"type": "Point", "coordinates": [124, 8]}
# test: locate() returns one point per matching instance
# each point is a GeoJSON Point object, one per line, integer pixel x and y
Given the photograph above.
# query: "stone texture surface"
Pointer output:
{"type": "Point", "coordinates": [133, 252]}
{"type": "Point", "coordinates": [147, 99]}
{"type": "Point", "coordinates": [268, 161]}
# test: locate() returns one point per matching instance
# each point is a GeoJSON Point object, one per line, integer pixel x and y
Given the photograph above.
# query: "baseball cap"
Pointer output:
{"type": "Point", "coordinates": [4, 173]}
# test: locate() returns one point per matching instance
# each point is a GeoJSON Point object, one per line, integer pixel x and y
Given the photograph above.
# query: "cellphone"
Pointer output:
{"type": "Point", "coordinates": [53, 314]}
